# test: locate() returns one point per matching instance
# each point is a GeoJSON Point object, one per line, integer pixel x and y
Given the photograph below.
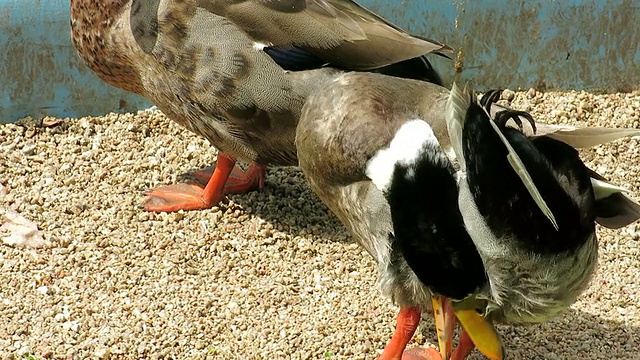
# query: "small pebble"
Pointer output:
{"type": "Point", "coordinates": [29, 149]}
{"type": "Point", "coordinates": [44, 290]}
{"type": "Point", "coordinates": [508, 95]}
{"type": "Point", "coordinates": [267, 275]}
{"type": "Point", "coordinates": [102, 353]}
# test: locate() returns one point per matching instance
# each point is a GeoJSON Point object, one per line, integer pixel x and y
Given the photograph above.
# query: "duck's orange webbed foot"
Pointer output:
{"type": "Point", "coordinates": [226, 179]}
{"type": "Point", "coordinates": [464, 348]}
{"type": "Point", "coordinates": [422, 353]}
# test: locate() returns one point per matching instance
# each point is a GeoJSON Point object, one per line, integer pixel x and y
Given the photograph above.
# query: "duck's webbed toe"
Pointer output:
{"type": "Point", "coordinates": [226, 178]}
{"type": "Point", "coordinates": [422, 353]}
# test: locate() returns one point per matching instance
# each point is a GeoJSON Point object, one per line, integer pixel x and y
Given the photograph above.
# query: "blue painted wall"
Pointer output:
{"type": "Point", "coordinates": [569, 44]}
{"type": "Point", "coordinates": [561, 44]}
{"type": "Point", "coordinates": [40, 73]}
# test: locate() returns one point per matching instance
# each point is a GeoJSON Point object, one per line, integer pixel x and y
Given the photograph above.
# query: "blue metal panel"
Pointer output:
{"type": "Point", "coordinates": [40, 73]}
{"type": "Point", "coordinates": [570, 44]}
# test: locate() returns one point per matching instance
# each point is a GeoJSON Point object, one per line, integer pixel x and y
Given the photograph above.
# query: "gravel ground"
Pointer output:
{"type": "Point", "coordinates": [268, 275]}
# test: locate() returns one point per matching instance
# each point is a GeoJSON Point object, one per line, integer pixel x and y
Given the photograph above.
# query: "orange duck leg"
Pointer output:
{"type": "Point", "coordinates": [406, 325]}
{"type": "Point", "coordinates": [226, 179]}
{"type": "Point", "coordinates": [464, 348]}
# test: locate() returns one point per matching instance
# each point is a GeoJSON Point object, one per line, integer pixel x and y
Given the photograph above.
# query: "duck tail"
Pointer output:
{"type": "Point", "coordinates": [613, 208]}
{"type": "Point", "coordinates": [603, 189]}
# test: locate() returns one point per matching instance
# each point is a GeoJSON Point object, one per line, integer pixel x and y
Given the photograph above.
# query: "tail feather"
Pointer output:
{"type": "Point", "coordinates": [577, 137]}
{"type": "Point", "coordinates": [603, 189]}
{"type": "Point", "coordinates": [457, 106]}
{"type": "Point", "coordinates": [521, 170]}
{"type": "Point", "coordinates": [613, 208]}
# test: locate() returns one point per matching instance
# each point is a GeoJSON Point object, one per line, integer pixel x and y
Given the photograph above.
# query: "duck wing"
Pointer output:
{"type": "Point", "coordinates": [340, 32]}
{"type": "Point", "coordinates": [578, 137]}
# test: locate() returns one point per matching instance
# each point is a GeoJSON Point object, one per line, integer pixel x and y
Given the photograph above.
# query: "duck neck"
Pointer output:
{"type": "Point", "coordinates": [429, 232]}
{"type": "Point", "coordinates": [103, 38]}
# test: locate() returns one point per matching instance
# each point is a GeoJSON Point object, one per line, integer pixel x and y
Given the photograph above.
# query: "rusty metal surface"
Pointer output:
{"type": "Point", "coordinates": [40, 73]}
{"type": "Point", "coordinates": [570, 44]}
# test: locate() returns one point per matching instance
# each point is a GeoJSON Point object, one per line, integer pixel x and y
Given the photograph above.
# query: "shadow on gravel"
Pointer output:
{"type": "Point", "coordinates": [574, 335]}
{"type": "Point", "coordinates": [290, 206]}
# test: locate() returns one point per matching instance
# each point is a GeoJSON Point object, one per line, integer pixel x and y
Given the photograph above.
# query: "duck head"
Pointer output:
{"type": "Point", "coordinates": [99, 27]}
{"type": "Point", "coordinates": [418, 181]}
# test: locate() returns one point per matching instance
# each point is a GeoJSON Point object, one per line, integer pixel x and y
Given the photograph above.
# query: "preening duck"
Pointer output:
{"type": "Point", "coordinates": [385, 166]}
{"type": "Point", "coordinates": [530, 205]}
{"type": "Point", "coordinates": [238, 72]}
{"type": "Point", "coordinates": [429, 238]}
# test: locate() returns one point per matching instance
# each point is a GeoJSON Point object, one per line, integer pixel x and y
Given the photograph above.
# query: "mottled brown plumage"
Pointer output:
{"type": "Point", "coordinates": [347, 123]}
{"type": "Point", "coordinates": [203, 62]}
{"type": "Point", "coordinates": [334, 147]}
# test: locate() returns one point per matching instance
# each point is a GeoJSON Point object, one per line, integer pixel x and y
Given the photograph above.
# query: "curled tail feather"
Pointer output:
{"type": "Point", "coordinates": [457, 106]}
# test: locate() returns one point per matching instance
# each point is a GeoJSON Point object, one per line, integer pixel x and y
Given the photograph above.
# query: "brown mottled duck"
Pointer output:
{"type": "Point", "coordinates": [237, 72]}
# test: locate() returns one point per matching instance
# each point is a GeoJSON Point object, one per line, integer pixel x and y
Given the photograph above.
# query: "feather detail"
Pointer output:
{"type": "Point", "coordinates": [577, 137]}
{"type": "Point", "coordinates": [523, 174]}
{"type": "Point", "coordinates": [585, 137]}
{"type": "Point", "coordinates": [457, 106]}
{"type": "Point", "coordinates": [603, 189]}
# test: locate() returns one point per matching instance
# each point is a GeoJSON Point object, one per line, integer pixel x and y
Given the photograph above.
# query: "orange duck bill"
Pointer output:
{"type": "Point", "coordinates": [477, 331]}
